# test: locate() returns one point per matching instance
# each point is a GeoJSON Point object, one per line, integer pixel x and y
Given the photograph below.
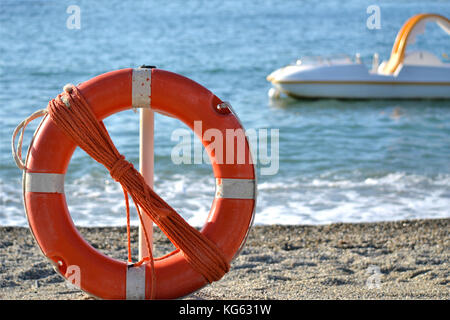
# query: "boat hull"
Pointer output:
{"type": "Point", "coordinates": [365, 90]}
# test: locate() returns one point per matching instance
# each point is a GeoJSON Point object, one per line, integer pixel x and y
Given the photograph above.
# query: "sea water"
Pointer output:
{"type": "Point", "coordinates": [339, 160]}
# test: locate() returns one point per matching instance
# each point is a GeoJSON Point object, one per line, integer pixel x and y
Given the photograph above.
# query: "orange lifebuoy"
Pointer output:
{"type": "Point", "coordinates": [49, 155]}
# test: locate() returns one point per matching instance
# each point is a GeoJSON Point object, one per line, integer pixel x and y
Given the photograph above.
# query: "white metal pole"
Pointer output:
{"type": "Point", "coordinates": [146, 166]}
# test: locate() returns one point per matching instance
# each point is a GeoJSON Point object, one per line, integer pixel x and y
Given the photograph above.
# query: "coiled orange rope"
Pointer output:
{"type": "Point", "coordinates": [72, 114]}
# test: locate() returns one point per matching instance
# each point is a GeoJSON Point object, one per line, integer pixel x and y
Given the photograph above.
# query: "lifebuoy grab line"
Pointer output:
{"type": "Point", "coordinates": [49, 154]}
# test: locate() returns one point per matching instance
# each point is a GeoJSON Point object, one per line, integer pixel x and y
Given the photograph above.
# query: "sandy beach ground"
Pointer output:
{"type": "Point", "coordinates": [387, 260]}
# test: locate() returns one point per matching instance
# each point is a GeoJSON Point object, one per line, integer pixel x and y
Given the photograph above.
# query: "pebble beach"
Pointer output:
{"type": "Point", "coordinates": [385, 260]}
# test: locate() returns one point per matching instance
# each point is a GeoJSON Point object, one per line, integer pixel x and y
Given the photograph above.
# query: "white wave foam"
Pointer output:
{"type": "Point", "coordinates": [393, 196]}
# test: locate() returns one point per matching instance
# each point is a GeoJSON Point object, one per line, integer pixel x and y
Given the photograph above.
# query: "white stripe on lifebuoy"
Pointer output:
{"type": "Point", "coordinates": [44, 182]}
{"type": "Point", "coordinates": [235, 188]}
{"type": "Point", "coordinates": [136, 283]}
{"type": "Point", "coordinates": [141, 88]}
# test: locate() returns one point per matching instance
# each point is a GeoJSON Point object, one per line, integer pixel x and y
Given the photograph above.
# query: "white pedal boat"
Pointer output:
{"type": "Point", "coordinates": [406, 75]}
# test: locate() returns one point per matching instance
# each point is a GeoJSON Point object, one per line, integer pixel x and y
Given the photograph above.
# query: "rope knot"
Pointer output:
{"type": "Point", "coordinates": [119, 168]}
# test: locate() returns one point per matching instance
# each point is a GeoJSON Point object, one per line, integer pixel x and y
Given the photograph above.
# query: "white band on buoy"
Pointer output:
{"type": "Point", "coordinates": [136, 283]}
{"type": "Point", "coordinates": [141, 88]}
{"type": "Point", "coordinates": [235, 188]}
{"type": "Point", "coordinates": [44, 182]}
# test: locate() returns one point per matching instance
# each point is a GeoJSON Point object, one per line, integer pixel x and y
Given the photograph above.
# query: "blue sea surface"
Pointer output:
{"type": "Point", "coordinates": [339, 160]}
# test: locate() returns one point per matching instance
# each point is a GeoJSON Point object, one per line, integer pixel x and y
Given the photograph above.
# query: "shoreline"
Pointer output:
{"type": "Point", "coordinates": [384, 260]}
